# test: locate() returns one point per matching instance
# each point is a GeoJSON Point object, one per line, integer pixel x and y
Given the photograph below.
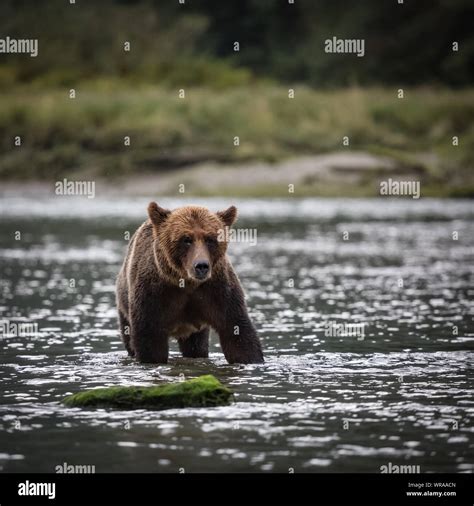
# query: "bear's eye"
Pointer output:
{"type": "Point", "coordinates": [187, 240]}
{"type": "Point", "coordinates": [211, 241]}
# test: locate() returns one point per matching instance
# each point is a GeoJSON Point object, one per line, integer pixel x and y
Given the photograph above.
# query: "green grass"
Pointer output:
{"type": "Point", "coordinates": [85, 136]}
{"type": "Point", "coordinates": [204, 391]}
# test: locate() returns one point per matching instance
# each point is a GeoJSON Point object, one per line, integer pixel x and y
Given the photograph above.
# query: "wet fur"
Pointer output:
{"type": "Point", "coordinates": [153, 307]}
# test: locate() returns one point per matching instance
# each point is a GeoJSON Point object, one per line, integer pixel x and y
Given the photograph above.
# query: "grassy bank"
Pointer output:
{"type": "Point", "coordinates": [86, 136]}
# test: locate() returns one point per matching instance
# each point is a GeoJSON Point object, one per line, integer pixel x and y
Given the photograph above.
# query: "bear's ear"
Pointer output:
{"type": "Point", "coordinates": [157, 214]}
{"type": "Point", "coordinates": [228, 216]}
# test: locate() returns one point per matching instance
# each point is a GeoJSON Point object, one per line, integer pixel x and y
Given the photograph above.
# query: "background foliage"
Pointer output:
{"type": "Point", "coordinates": [228, 93]}
{"type": "Point", "coordinates": [408, 43]}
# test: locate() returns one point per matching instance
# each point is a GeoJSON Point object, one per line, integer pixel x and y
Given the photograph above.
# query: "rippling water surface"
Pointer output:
{"type": "Point", "coordinates": [402, 393]}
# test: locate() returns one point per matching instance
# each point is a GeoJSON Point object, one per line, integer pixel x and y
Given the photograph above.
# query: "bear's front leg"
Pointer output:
{"type": "Point", "coordinates": [237, 335]}
{"type": "Point", "coordinates": [148, 339]}
{"type": "Point", "coordinates": [239, 341]}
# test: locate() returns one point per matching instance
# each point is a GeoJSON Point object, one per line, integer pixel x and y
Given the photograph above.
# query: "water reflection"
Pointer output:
{"type": "Point", "coordinates": [402, 392]}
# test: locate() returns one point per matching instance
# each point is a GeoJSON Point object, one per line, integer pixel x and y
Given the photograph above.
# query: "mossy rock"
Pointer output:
{"type": "Point", "coordinates": [204, 391]}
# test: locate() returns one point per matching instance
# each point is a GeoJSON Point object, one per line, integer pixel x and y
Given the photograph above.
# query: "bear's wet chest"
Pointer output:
{"type": "Point", "coordinates": [189, 318]}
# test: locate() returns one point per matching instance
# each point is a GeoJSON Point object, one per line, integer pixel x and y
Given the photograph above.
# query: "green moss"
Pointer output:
{"type": "Point", "coordinates": [204, 391]}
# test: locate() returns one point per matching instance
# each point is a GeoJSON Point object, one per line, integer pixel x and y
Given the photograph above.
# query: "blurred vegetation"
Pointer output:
{"type": "Point", "coordinates": [230, 93]}
{"type": "Point", "coordinates": [193, 43]}
{"type": "Point", "coordinates": [61, 135]}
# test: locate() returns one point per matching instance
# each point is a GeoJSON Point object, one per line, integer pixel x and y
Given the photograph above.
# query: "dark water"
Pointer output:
{"type": "Point", "coordinates": [401, 393]}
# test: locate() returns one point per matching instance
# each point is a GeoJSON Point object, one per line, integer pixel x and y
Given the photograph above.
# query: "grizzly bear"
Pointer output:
{"type": "Point", "coordinates": [177, 281]}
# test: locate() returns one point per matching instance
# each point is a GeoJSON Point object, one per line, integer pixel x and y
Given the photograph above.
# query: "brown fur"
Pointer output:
{"type": "Point", "coordinates": [153, 304]}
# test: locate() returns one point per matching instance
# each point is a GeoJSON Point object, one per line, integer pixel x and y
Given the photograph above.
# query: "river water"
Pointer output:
{"type": "Point", "coordinates": [397, 392]}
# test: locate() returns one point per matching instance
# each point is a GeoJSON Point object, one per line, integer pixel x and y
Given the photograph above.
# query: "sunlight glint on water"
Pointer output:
{"type": "Point", "coordinates": [402, 394]}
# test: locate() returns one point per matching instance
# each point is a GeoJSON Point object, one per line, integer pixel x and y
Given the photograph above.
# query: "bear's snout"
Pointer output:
{"type": "Point", "coordinates": [201, 269]}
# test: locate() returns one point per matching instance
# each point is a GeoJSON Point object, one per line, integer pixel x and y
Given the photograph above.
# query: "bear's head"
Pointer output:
{"type": "Point", "coordinates": [191, 240]}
